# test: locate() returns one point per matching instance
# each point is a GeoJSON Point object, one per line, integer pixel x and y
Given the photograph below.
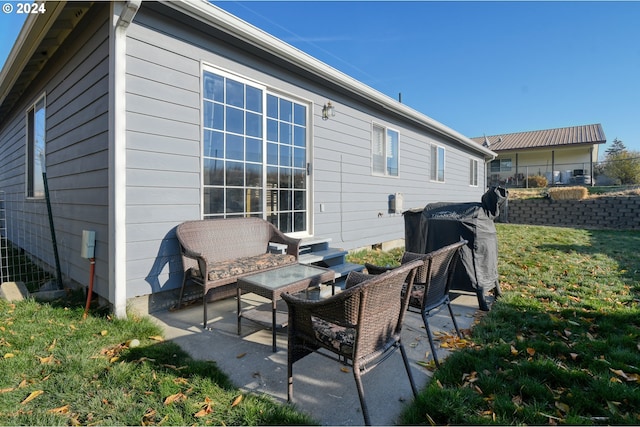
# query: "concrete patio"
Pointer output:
{"type": "Point", "coordinates": [321, 388]}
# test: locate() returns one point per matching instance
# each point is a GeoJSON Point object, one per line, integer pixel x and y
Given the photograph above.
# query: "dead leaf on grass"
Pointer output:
{"type": "Point", "coordinates": [46, 360]}
{"type": "Point", "coordinates": [563, 407]}
{"type": "Point", "coordinates": [32, 396]}
{"type": "Point", "coordinates": [206, 408]}
{"type": "Point", "coordinates": [236, 401]}
{"type": "Point", "coordinates": [61, 410]}
{"type": "Point", "coordinates": [178, 397]}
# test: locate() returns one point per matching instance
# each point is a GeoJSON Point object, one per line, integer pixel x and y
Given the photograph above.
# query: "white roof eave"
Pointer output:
{"type": "Point", "coordinates": [32, 33]}
{"type": "Point", "coordinates": [248, 33]}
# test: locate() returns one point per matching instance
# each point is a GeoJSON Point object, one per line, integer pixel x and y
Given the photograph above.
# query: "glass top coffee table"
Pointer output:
{"type": "Point", "coordinates": [273, 283]}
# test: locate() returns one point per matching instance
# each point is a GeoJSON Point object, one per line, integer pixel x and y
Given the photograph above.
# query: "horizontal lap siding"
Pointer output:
{"type": "Point", "coordinates": [77, 146]}
{"type": "Point", "coordinates": [164, 57]}
{"type": "Point", "coordinates": [163, 155]}
{"type": "Point", "coordinates": [356, 202]}
{"type": "Point", "coordinates": [75, 81]}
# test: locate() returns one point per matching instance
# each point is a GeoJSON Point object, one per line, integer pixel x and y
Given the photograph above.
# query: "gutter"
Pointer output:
{"type": "Point", "coordinates": [212, 15]}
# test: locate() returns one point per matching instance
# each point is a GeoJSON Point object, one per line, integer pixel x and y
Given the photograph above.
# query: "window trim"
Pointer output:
{"type": "Point", "coordinates": [435, 161]}
{"type": "Point", "coordinates": [281, 94]}
{"type": "Point", "coordinates": [474, 171]}
{"type": "Point", "coordinates": [31, 181]}
{"type": "Point", "coordinates": [385, 133]}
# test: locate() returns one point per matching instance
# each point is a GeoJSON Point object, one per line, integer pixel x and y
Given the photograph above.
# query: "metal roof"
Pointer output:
{"type": "Point", "coordinates": [547, 138]}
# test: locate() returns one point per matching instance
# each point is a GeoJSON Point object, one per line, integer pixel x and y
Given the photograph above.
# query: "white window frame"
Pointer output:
{"type": "Point", "coordinates": [384, 149]}
{"type": "Point", "coordinates": [504, 165]}
{"type": "Point", "coordinates": [436, 161]}
{"type": "Point", "coordinates": [473, 172]}
{"type": "Point", "coordinates": [267, 90]}
{"type": "Point", "coordinates": [35, 147]}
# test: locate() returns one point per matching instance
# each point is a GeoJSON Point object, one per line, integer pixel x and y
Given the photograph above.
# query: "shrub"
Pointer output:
{"type": "Point", "coordinates": [568, 193]}
{"type": "Point", "coordinates": [537, 181]}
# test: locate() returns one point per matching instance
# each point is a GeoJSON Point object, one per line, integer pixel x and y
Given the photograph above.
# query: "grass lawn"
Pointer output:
{"type": "Point", "coordinates": [58, 369]}
{"type": "Point", "coordinates": [561, 346]}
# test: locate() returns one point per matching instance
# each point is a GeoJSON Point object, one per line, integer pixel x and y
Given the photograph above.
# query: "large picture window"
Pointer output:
{"type": "Point", "coordinates": [255, 153]}
{"type": "Point", "coordinates": [36, 127]}
{"type": "Point", "coordinates": [437, 163]}
{"type": "Point", "coordinates": [384, 149]}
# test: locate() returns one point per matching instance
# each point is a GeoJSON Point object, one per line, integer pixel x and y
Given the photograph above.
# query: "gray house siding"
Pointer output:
{"type": "Point", "coordinates": [165, 55]}
{"type": "Point", "coordinates": [75, 82]}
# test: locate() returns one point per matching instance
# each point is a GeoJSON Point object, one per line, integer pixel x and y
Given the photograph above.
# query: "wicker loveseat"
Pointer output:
{"type": "Point", "coordinates": [215, 253]}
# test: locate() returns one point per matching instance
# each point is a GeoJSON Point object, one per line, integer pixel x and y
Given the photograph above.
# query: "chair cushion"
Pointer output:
{"type": "Point", "coordinates": [417, 295]}
{"type": "Point", "coordinates": [338, 337]}
{"type": "Point", "coordinates": [241, 266]}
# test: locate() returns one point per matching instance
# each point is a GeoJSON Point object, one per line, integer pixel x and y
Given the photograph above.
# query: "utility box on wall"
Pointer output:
{"type": "Point", "coordinates": [395, 203]}
{"type": "Point", "coordinates": [88, 244]}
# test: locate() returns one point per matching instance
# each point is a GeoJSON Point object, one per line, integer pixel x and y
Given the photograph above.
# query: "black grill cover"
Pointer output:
{"type": "Point", "coordinates": [441, 224]}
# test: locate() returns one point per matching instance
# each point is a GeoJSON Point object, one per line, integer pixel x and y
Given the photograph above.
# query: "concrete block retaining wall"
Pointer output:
{"type": "Point", "coordinates": [596, 213]}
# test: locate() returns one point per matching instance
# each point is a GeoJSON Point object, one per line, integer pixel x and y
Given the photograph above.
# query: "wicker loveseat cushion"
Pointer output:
{"type": "Point", "coordinates": [339, 337]}
{"type": "Point", "coordinates": [417, 295]}
{"type": "Point", "coordinates": [241, 266]}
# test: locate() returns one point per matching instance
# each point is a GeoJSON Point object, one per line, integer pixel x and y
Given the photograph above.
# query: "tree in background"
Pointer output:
{"type": "Point", "coordinates": [617, 146]}
{"type": "Point", "coordinates": [621, 164]}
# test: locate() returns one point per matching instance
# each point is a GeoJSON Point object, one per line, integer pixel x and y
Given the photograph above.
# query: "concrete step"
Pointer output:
{"type": "Point", "coordinates": [331, 256]}
{"type": "Point", "coordinates": [343, 270]}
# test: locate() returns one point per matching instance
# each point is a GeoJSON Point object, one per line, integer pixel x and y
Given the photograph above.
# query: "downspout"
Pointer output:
{"type": "Point", "coordinates": [122, 15]}
{"type": "Point", "coordinates": [591, 156]}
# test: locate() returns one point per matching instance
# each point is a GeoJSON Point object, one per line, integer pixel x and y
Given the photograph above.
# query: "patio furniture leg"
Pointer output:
{"type": "Point", "coordinates": [204, 309]}
{"type": "Point", "coordinates": [455, 324]}
{"type": "Point", "coordinates": [289, 372]}
{"type": "Point", "coordinates": [184, 282]}
{"type": "Point", "coordinates": [273, 327]}
{"type": "Point", "coordinates": [363, 405]}
{"type": "Point", "coordinates": [430, 336]}
{"type": "Point", "coordinates": [405, 360]}
{"type": "Point", "coordinates": [238, 296]}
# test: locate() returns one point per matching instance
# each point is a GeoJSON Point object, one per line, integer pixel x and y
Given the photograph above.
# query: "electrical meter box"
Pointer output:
{"type": "Point", "coordinates": [88, 244]}
{"type": "Point", "coordinates": [396, 202]}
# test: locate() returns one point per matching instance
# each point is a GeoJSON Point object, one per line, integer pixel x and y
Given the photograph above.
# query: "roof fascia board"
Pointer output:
{"type": "Point", "coordinates": [252, 35]}
{"type": "Point", "coordinates": [575, 145]}
{"type": "Point", "coordinates": [33, 31]}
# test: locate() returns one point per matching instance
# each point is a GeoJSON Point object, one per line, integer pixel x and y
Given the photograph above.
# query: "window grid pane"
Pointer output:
{"type": "Point", "coordinates": [234, 143]}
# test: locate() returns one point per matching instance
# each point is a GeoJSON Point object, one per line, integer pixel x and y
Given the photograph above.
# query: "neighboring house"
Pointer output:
{"type": "Point", "coordinates": [150, 114]}
{"type": "Point", "coordinates": [563, 155]}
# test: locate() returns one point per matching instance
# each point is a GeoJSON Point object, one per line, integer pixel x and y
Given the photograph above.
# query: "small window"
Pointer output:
{"type": "Point", "coordinates": [500, 165]}
{"type": "Point", "coordinates": [384, 150]}
{"type": "Point", "coordinates": [36, 149]}
{"type": "Point", "coordinates": [473, 172]}
{"type": "Point", "coordinates": [437, 163]}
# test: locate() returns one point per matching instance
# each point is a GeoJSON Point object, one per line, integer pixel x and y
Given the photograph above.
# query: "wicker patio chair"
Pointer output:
{"type": "Point", "coordinates": [431, 285]}
{"type": "Point", "coordinates": [359, 326]}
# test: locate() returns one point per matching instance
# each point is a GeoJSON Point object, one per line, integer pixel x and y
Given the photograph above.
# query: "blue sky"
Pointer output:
{"type": "Point", "coordinates": [477, 67]}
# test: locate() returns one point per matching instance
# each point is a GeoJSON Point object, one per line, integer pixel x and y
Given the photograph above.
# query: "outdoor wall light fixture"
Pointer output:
{"type": "Point", "coordinates": [328, 110]}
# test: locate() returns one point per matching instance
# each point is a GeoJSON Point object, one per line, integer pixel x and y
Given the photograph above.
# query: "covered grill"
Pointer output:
{"type": "Point", "coordinates": [441, 224]}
